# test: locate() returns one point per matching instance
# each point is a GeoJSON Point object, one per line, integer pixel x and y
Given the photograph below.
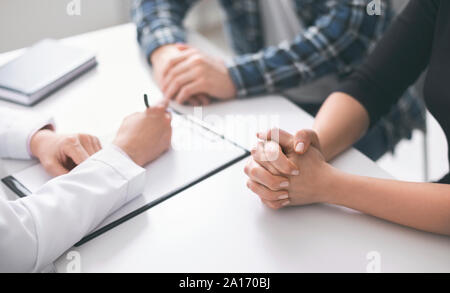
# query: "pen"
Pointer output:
{"type": "Point", "coordinates": [146, 101]}
{"type": "Point", "coordinates": [169, 109]}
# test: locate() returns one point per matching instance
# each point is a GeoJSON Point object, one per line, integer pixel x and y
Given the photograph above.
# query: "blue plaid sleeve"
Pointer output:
{"type": "Point", "coordinates": [335, 41]}
{"type": "Point", "coordinates": [159, 22]}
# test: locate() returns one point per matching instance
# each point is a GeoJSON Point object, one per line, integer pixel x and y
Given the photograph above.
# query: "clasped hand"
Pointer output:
{"type": "Point", "coordinates": [286, 170]}
{"type": "Point", "coordinates": [187, 75]}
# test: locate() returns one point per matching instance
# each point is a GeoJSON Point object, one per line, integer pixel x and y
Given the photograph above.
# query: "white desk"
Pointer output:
{"type": "Point", "coordinates": [218, 225]}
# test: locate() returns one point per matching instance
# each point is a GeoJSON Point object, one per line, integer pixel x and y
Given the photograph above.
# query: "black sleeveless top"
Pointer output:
{"type": "Point", "coordinates": [418, 39]}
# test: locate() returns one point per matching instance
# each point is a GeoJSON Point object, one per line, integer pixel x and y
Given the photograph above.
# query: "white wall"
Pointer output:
{"type": "Point", "coordinates": [23, 22]}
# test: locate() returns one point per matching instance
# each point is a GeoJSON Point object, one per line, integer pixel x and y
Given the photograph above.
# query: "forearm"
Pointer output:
{"type": "Point", "coordinates": [340, 123]}
{"type": "Point", "coordinates": [424, 206]}
{"type": "Point", "coordinates": [163, 54]}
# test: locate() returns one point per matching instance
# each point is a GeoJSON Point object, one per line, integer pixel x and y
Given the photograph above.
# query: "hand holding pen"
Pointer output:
{"type": "Point", "coordinates": [162, 104]}
{"type": "Point", "coordinates": [144, 136]}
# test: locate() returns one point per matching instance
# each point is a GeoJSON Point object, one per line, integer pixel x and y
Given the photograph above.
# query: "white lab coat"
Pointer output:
{"type": "Point", "coordinates": [36, 230]}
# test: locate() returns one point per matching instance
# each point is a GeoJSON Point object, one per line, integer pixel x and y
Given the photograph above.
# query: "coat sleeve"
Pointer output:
{"type": "Point", "coordinates": [16, 130]}
{"type": "Point", "coordinates": [36, 230]}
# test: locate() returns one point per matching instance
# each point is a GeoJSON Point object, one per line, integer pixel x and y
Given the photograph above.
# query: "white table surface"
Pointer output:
{"type": "Point", "coordinates": [219, 225]}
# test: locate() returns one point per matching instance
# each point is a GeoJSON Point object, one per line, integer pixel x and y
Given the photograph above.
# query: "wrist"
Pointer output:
{"type": "Point", "coordinates": [332, 181]}
{"type": "Point", "coordinates": [233, 87]}
{"type": "Point", "coordinates": [160, 53]}
{"type": "Point", "coordinates": [234, 75]}
{"type": "Point", "coordinates": [120, 150]}
{"type": "Point", "coordinates": [39, 139]}
{"type": "Point", "coordinates": [126, 150]}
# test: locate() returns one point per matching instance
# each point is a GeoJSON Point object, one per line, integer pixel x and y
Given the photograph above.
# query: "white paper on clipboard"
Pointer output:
{"type": "Point", "coordinates": [195, 153]}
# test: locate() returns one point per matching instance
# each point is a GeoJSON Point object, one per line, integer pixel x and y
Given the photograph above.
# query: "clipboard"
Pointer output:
{"type": "Point", "coordinates": [211, 162]}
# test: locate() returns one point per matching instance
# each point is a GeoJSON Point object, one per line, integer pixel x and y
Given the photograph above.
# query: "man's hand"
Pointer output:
{"type": "Point", "coordinates": [59, 154]}
{"type": "Point", "coordinates": [145, 136]}
{"type": "Point", "coordinates": [193, 76]}
{"type": "Point", "coordinates": [161, 60]}
{"type": "Point", "coordinates": [282, 174]}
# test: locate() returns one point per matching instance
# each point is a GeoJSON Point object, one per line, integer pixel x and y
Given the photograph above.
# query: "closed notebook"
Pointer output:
{"type": "Point", "coordinates": [42, 69]}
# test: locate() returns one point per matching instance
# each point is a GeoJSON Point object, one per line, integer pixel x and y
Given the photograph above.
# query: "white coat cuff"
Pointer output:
{"type": "Point", "coordinates": [122, 164]}
{"type": "Point", "coordinates": [19, 133]}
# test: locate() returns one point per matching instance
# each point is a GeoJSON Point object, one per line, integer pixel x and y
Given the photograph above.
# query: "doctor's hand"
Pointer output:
{"type": "Point", "coordinates": [281, 176]}
{"type": "Point", "coordinates": [193, 75]}
{"type": "Point", "coordinates": [59, 153]}
{"type": "Point", "coordinates": [144, 136]}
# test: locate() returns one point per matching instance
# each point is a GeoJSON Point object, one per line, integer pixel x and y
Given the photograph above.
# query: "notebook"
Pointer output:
{"type": "Point", "coordinates": [197, 153]}
{"type": "Point", "coordinates": [41, 70]}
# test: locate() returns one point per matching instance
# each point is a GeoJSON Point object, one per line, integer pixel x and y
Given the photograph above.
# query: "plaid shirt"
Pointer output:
{"type": "Point", "coordinates": [338, 35]}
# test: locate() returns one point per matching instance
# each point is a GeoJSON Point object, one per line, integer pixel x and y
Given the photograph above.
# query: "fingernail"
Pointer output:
{"type": "Point", "coordinates": [284, 184]}
{"type": "Point", "coordinates": [295, 173]}
{"type": "Point", "coordinates": [286, 203]}
{"type": "Point", "coordinates": [300, 147]}
{"type": "Point", "coordinates": [284, 196]}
